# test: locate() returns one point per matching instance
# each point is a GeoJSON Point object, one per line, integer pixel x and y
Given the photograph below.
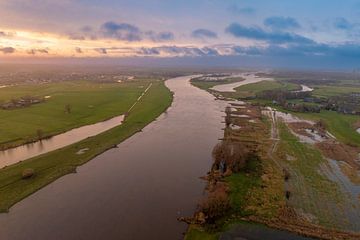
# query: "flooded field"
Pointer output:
{"type": "Point", "coordinates": [135, 191]}
{"type": "Point", "coordinates": [17, 154]}
{"type": "Point", "coordinates": [305, 88]}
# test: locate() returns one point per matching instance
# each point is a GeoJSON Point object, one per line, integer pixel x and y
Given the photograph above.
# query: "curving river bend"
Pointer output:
{"type": "Point", "coordinates": [135, 191]}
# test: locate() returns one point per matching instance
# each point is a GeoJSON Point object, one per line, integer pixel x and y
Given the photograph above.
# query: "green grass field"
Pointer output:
{"type": "Point", "coordinates": [328, 91]}
{"type": "Point", "coordinates": [250, 90]}
{"type": "Point", "coordinates": [195, 233]}
{"type": "Point", "coordinates": [90, 103]}
{"type": "Point", "coordinates": [206, 85]}
{"type": "Point", "coordinates": [51, 166]}
{"type": "Point", "coordinates": [310, 189]}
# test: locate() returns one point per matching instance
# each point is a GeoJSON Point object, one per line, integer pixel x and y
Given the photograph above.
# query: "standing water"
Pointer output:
{"type": "Point", "coordinates": [249, 78]}
{"type": "Point", "coordinates": [23, 152]}
{"type": "Point", "coordinates": [135, 191]}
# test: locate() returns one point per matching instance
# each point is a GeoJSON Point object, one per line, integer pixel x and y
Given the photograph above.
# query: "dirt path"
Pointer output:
{"type": "Point", "coordinates": [139, 98]}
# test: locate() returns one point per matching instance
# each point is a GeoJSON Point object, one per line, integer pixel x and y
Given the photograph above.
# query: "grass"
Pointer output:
{"type": "Point", "coordinates": [53, 165]}
{"type": "Point", "coordinates": [311, 190]}
{"type": "Point", "coordinates": [240, 185]}
{"type": "Point", "coordinates": [90, 103]}
{"type": "Point", "coordinates": [206, 85]}
{"type": "Point", "coordinates": [195, 233]}
{"type": "Point", "coordinates": [250, 90]}
{"type": "Point", "coordinates": [328, 91]}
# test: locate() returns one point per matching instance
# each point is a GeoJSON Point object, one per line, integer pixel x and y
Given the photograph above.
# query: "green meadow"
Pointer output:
{"type": "Point", "coordinates": [251, 90]}
{"type": "Point", "coordinates": [89, 103]}
{"type": "Point", "coordinates": [50, 166]}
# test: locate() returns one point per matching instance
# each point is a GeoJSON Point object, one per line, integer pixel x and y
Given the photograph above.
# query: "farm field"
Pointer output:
{"type": "Point", "coordinates": [88, 102]}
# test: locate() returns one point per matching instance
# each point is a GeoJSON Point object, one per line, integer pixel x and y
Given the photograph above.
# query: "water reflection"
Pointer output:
{"type": "Point", "coordinates": [30, 150]}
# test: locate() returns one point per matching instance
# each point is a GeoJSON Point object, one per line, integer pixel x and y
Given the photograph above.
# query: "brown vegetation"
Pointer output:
{"type": "Point", "coordinates": [289, 220]}
{"type": "Point", "coordinates": [341, 152]}
{"type": "Point", "coordinates": [217, 203]}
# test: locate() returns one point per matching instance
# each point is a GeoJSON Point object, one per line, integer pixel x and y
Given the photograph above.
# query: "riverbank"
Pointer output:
{"type": "Point", "coordinates": [296, 188]}
{"type": "Point", "coordinates": [51, 166]}
{"type": "Point", "coordinates": [274, 190]}
{"type": "Point", "coordinates": [66, 106]}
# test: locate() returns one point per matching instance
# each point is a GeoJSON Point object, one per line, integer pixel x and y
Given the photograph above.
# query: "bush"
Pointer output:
{"type": "Point", "coordinates": [216, 205]}
{"type": "Point", "coordinates": [27, 173]}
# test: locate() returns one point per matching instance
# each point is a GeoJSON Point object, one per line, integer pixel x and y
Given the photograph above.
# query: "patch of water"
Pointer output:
{"type": "Point", "coordinates": [17, 154]}
{"type": "Point", "coordinates": [305, 88]}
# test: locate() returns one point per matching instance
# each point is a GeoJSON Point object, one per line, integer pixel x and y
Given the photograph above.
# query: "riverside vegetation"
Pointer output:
{"type": "Point", "coordinates": [263, 173]}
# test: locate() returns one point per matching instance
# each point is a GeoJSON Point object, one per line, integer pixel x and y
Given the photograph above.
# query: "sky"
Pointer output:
{"type": "Point", "coordinates": [309, 32]}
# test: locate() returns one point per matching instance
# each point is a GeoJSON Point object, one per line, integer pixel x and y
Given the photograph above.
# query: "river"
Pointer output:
{"type": "Point", "coordinates": [135, 191]}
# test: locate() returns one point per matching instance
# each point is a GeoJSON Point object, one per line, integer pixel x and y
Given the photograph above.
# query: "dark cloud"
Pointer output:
{"type": "Point", "coordinates": [165, 36]}
{"type": "Point", "coordinates": [121, 31]}
{"type": "Point", "coordinates": [86, 29]}
{"type": "Point", "coordinates": [281, 23]}
{"type": "Point", "coordinates": [125, 32]}
{"type": "Point", "coordinates": [159, 37]}
{"type": "Point", "coordinates": [203, 33]}
{"type": "Point", "coordinates": [162, 50]}
{"type": "Point", "coordinates": [7, 50]}
{"type": "Point", "coordinates": [257, 33]}
{"type": "Point", "coordinates": [74, 36]}
{"type": "Point", "coordinates": [7, 34]}
{"type": "Point", "coordinates": [148, 51]}
{"type": "Point", "coordinates": [35, 51]}
{"type": "Point", "coordinates": [249, 51]}
{"type": "Point", "coordinates": [346, 50]}
{"type": "Point", "coordinates": [208, 51]}
{"type": "Point", "coordinates": [236, 10]}
{"type": "Point", "coordinates": [188, 51]}
{"type": "Point", "coordinates": [101, 50]}
{"type": "Point", "coordinates": [78, 50]}
{"type": "Point", "coordinates": [343, 24]}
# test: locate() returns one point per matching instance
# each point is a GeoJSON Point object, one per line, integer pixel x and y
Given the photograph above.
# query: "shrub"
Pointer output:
{"type": "Point", "coordinates": [27, 173]}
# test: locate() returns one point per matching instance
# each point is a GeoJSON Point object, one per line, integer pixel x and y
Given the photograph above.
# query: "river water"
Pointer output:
{"type": "Point", "coordinates": [135, 191]}
{"type": "Point", "coordinates": [23, 152]}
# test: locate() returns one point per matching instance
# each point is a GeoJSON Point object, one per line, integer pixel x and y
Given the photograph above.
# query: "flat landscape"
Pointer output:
{"type": "Point", "coordinates": [168, 120]}
{"type": "Point", "coordinates": [50, 166]}
{"type": "Point", "coordinates": [304, 176]}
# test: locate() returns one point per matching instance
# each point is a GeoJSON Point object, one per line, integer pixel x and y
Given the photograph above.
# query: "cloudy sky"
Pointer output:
{"type": "Point", "coordinates": [183, 28]}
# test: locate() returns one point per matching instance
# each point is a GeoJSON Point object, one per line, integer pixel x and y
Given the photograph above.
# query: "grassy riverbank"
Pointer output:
{"type": "Point", "coordinates": [292, 189]}
{"type": "Point", "coordinates": [252, 89]}
{"type": "Point", "coordinates": [88, 102]}
{"type": "Point", "coordinates": [206, 85]}
{"type": "Point", "coordinates": [53, 165]}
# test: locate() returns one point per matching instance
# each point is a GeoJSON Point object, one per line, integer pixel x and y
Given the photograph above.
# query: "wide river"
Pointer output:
{"type": "Point", "coordinates": [135, 191]}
